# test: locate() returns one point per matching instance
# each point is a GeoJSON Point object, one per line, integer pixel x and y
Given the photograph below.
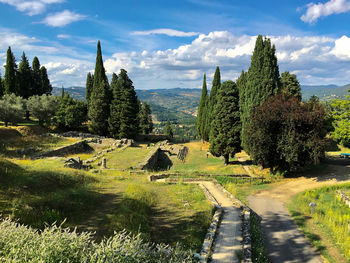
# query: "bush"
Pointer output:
{"type": "Point", "coordinates": [11, 109]}
{"type": "Point", "coordinates": [19, 243]}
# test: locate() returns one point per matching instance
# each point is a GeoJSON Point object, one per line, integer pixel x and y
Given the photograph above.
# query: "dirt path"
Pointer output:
{"type": "Point", "coordinates": [284, 242]}
{"type": "Point", "coordinates": [227, 242]}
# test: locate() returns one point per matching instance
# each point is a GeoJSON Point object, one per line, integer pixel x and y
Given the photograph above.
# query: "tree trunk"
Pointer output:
{"type": "Point", "coordinates": [227, 158]}
{"type": "Point", "coordinates": [6, 123]}
{"type": "Point", "coordinates": [27, 115]}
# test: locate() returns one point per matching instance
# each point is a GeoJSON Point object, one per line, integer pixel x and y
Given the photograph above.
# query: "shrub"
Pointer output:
{"type": "Point", "coordinates": [11, 109]}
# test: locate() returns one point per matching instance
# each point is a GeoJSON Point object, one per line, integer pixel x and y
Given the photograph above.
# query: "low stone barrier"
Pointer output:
{"type": "Point", "coordinates": [150, 161]}
{"type": "Point", "coordinates": [344, 198]}
{"type": "Point", "coordinates": [75, 148]}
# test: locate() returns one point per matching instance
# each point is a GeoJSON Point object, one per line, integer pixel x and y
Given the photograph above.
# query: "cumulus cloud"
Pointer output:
{"type": "Point", "coordinates": [315, 11]}
{"type": "Point", "coordinates": [342, 48]}
{"type": "Point", "coordinates": [165, 31]}
{"type": "Point", "coordinates": [62, 19]}
{"type": "Point", "coordinates": [31, 7]}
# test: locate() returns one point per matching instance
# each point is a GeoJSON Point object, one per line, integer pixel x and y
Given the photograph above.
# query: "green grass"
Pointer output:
{"type": "Point", "coordinates": [338, 150]}
{"type": "Point", "coordinates": [328, 228]}
{"type": "Point", "coordinates": [259, 254]}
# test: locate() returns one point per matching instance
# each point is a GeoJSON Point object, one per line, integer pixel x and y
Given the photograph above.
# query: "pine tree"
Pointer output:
{"type": "Point", "coordinates": [146, 124]}
{"type": "Point", "coordinates": [260, 82]}
{"type": "Point", "coordinates": [89, 86]}
{"type": "Point", "coordinates": [169, 130]}
{"type": "Point", "coordinates": [36, 77]}
{"type": "Point", "coordinates": [115, 108]}
{"type": "Point", "coordinates": [24, 78]}
{"type": "Point", "coordinates": [129, 107]}
{"type": "Point", "coordinates": [202, 109]}
{"type": "Point", "coordinates": [290, 85]}
{"type": "Point", "coordinates": [45, 87]}
{"type": "Point", "coordinates": [212, 102]}
{"type": "Point", "coordinates": [10, 73]}
{"type": "Point", "coordinates": [226, 126]}
{"type": "Point", "coordinates": [98, 111]}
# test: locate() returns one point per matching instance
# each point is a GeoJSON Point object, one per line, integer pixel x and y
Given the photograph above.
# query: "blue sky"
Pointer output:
{"type": "Point", "coordinates": [168, 44]}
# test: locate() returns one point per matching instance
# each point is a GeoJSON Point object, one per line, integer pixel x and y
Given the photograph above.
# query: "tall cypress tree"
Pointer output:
{"type": "Point", "coordinates": [212, 102]}
{"type": "Point", "coordinates": [10, 73]}
{"type": "Point", "coordinates": [129, 107]}
{"type": "Point", "coordinates": [100, 97]}
{"type": "Point", "coordinates": [260, 82]}
{"type": "Point", "coordinates": [89, 86]}
{"type": "Point", "coordinates": [290, 85]}
{"type": "Point", "coordinates": [146, 124]}
{"type": "Point", "coordinates": [202, 108]}
{"type": "Point", "coordinates": [46, 87]}
{"type": "Point", "coordinates": [36, 77]}
{"type": "Point", "coordinates": [225, 134]}
{"type": "Point", "coordinates": [1, 87]}
{"type": "Point", "coordinates": [115, 108]}
{"type": "Point", "coordinates": [24, 78]}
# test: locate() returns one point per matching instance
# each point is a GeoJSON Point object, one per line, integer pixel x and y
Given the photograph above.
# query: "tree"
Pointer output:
{"type": "Point", "coordinates": [36, 77]}
{"type": "Point", "coordinates": [24, 78]}
{"type": "Point", "coordinates": [10, 73]}
{"type": "Point", "coordinates": [98, 111]}
{"type": "Point", "coordinates": [115, 108]}
{"type": "Point", "coordinates": [169, 130]}
{"type": "Point", "coordinates": [11, 109]}
{"type": "Point", "coordinates": [45, 87]}
{"type": "Point", "coordinates": [212, 101]}
{"type": "Point", "coordinates": [259, 83]}
{"type": "Point", "coordinates": [42, 107]}
{"type": "Point", "coordinates": [226, 126]}
{"type": "Point", "coordinates": [146, 124]}
{"type": "Point", "coordinates": [129, 107]}
{"type": "Point", "coordinates": [202, 112]}
{"type": "Point", "coordinates": [89, 86]}
{"type": "Point", "coordinates": [290, 85]}
{"type": "Point", "coordinates": [287, 134]}
{"type": "Point", "coordinates": [1, 87]}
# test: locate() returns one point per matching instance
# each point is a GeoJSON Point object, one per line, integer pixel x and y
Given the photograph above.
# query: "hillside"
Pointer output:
{"type": "Point", "coordinates": [325, 92]}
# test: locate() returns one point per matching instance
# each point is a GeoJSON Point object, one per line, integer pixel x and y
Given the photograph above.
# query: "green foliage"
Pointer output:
{"type": "Point", "coordinates": [145, 116]}
{"type": "Point", "coordinates": [340, 112]}
{"type": "Point", "coordinates": [290, 85]}
{"type": "Point", "coordinates": [45, 86]}
{"type": "Point", "coordinates": [259, 254]}
{"type": "Point", "coordinates": [24, 78]}
{"type": "Point", "coordinates": [169, 130]}
{"type": "Point", "coordinates": [212, 101]}
{"type": "Point", "coordinates": [1, 87]}
{"type": "Point", "coordinates": [10, 73]}
{"type": "Point", "coordinates": [226, 126]}
{"type": "Point", "coordinates": [202, 112]}
{"type": "Point", "coordinates": [11, 109]}
{"type": "Point", "coordinates": [115, 108]}
{"type": "Point", "coordinates": [42, 107]}
{"type": "Point", "coordinates": [36, 77]}
{"type": "Point", "coordinates": [259, 83]}
{"type": "Point", "coordinates": [98, 111]}
{"type": "Point", "coordinates": [287, 134]}
{"type": "Point", "coordinates": [89, 86]}
{"type": "Point", "coordinates": [19, 243]}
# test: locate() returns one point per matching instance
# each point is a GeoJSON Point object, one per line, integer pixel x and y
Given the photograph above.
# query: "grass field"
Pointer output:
{"type": "Point", "coordinates": [328, 228]}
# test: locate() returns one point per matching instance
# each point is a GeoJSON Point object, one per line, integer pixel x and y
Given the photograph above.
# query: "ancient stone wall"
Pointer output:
{"type": "Point", "coordinates": [151, 160]}
{"type": "Point", "coordinates": [75, 148]}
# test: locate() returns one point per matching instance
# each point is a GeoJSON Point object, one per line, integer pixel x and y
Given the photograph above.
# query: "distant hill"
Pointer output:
{"type": "Point", "coordinates": [181, 104]}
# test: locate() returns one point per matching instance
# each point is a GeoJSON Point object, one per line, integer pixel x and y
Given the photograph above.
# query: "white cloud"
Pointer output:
{"type": "Point", "coordinates": [63, 36]}
{"type": "Point", "coordinates": [165, 31]}
{"type": "Point", "coordinates": [62, 19]}
{"type": "Point", "coordinates": [342, 48]}
{"type": "Point", "coordinates": [315, 11]}
{"type": "Point", "coordinates": [33, 7]}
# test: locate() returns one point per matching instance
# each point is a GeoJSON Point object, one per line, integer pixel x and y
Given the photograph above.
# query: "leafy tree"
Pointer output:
{"type": "Point", "coordinates": [36, 76]}
{"type": "Point", "coordinates": [146, 124]}
{"type": "Point", "coordinates": [98, 111]}
{"type": "Point", "coordinates": [202, 112]}
{"type": "Point", "coordinates": [115, 108]}
{"type": "Point", "coordinates": [11, 109]}
{"type": "Point", "coordinates": [42, 107]}
{"type": "Point", "coordinates": [129, 107]}
{"type": "Point", "coordinates": [89, 86]}
{"type": "Point", "coordinates": [259, 83]}
{"type": "Point", "coordinates": [1, 87]}
{"type": "Point", "coordinates": [24, 78]}
{"type": "Point", "coordinates": [212, 101]}
{"type": "Point", "coordinates": [169, 130]}
{"type": "Point", "coordinates": [290, 85]}
{"type": "Point", "coordinates": [287, 134]}
{"type": "Point", "coordinates": [226, 126]}
{"type": "Point", "coordinates": [10, 73]}
{"type": "Point", "coordinates": [46, 87]}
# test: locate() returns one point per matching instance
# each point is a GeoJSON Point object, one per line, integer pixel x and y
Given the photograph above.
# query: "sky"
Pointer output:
{"type": "Point", "coordinates": [170, 44]}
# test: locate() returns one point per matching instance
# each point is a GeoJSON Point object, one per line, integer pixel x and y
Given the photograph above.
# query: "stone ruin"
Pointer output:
{"type": "Point", "coordinates": [76, 163]}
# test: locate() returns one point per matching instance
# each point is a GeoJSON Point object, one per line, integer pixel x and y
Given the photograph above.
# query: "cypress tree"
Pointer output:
{"type": "Point", "coordinates": [1, 87]}
{"type": "Point", "coordinates": [146, 124]}
{"type": "Point", "coordinates": [129, 107]}
{"type": "Point", "coordinates": [10, 73]}
{"type": "Point", "coordinates": [114, 118]}
{"type": "Point", "coordinates": [201, 113]}
{"type": "Point", "coordinates": [290, 85]}
{"type": "Point", "coordinates": [89, 86]}
{"type": "Point", "coordinates": [24, 78]}
{"type": "Point", "coordinates": [212, 102]}
{"type": "Point", "coordinates": [100, 98]}
{"type": "Point", "coordinates": [259, 83]}
{"type": "Point", "coordinates": [36, 77]}
{"type": "Point", "coordinates": [169, 130]}
{"type": "Point", "coordinates": [45, 87]}
{"type": "Point", "coordinates": [226, 126]}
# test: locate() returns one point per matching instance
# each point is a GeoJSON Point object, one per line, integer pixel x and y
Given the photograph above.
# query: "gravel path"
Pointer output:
{"type": "Point", "coordinates": [227, 242]}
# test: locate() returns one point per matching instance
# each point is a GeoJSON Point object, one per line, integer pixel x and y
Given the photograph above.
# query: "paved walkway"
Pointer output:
{"type": "Point", "coordinates": [227, 242]}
